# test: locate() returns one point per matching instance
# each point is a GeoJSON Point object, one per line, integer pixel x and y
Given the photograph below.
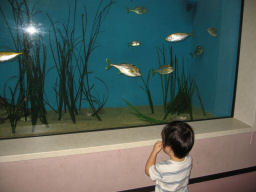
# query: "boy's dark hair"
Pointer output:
{"type": "Point", "coordinates": [179, 136]}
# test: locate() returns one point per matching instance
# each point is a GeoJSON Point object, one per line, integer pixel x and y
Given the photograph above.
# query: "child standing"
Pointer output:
{"type": "Point", "coordinates": [172, 174]}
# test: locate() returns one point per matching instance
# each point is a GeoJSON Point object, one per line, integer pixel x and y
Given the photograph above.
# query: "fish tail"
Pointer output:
{"type": "Point", "coordinates": [128, 10]}
{"type": "Point", "coordinates": [109, 64]}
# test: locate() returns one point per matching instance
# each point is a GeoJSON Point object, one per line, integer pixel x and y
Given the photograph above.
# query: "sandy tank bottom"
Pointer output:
{"type": "Point", "coordinates": [122, 117]}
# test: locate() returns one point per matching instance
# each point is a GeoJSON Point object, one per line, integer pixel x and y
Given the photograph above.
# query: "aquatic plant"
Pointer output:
{"type": "Point", "coordinates": [88, 46]}
{"type": "Point", "coordinates": [62, 47]}
{"type": "Point", "coordinates": [13, 107]}
{"type": "Point", "coordinates": [3, 112]}
{"type": "Point", "coordinates": [36, 72]}
{"type": "Point", "coordinates": [13, 110]}
{"type": "Point", "coordinates": [182, 102]}
{"type": "Point", "coordinates": [147, 90]}
{"type": "Point", "coordinates": [168, 82]}
{"type": "Point", "coordinates": [19, 40]}
{"type": "Point", "coordinates": [141, 116]}
{"type": "Point", "coordinates": [31, 73]}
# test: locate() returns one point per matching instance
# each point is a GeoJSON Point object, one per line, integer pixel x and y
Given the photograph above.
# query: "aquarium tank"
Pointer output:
{"type": "Point", "coordinates": [71, 66]}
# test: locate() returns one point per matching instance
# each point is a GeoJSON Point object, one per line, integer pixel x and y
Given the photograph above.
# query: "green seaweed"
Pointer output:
{"type": "Point", "coordinates": [147, 90]}
{"type": "Point", "coordinates": [31, 74]}
{"type": "Point", "coordinates": [168, 82]}
{"type": "Point", "coordinates": [20, 42]}
{"type": "Point", "coordinates": [141, 116]}
{"type": "Point", "coordinates": [62, 48]}
{"type": "Point", "coordinates": [88, 45]}
{"type": "Point", "coordinates": [13, 110]}
{"type": "Point", "coordinates": [36, 70]}
{"type": "Point", "coordinates": [71, 89]}
{"type": "Point", "coordinates": [13, 107]}
{"type": "Point", "coordinates": [182, 102]}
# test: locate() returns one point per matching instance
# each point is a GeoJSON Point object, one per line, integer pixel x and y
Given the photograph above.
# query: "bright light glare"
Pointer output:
{"type": "Point", "coordinates": [31, 30]}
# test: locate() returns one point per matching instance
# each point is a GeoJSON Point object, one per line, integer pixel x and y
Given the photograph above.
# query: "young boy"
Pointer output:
{"type": "Point", "coordinates": [172, 174]}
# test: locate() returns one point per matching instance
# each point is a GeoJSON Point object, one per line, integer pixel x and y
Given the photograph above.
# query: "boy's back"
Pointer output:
{"type": "Point", "coordinates": [171, 175]}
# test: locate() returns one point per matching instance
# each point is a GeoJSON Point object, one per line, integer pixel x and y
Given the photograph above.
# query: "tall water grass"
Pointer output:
{"type": "Point", "coordinates": [146, 88]}
{"type": "Point", "coordinates": [178, 89]}
{"type": "Point", "coordinates": [13, 106]}
{"type": "Point", "coordinates": [30, 83]}
{"type": "Point", "coordinates": [182, 103]}
{"type": "Point", "coordinates": [62, 47]}
{"type": "Point", "coordinates": [71, 54]}
{"type": "Point", "coordinates": [168, 82]}
{"type": "Point", "coordinates": [36, 72]}
{"type": "Point", "coordinates": [88, 45]}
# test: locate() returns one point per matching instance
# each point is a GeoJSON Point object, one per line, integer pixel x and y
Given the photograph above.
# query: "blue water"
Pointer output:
{"type": "Point", "coordinates": [214, 71]}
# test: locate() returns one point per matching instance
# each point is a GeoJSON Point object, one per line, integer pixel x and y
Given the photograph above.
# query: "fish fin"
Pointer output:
{"type": "Point", "coordinates": [109, 64]}
{"type": "Point", "coordinates": [128, 10]}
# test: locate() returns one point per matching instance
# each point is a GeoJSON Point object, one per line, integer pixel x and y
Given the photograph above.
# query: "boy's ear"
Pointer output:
{"type": "Point", "coordinates": [168, 149]}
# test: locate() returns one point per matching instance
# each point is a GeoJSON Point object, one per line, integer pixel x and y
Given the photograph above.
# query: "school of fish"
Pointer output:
{"type": "Point", "coordinates": [130, 69]}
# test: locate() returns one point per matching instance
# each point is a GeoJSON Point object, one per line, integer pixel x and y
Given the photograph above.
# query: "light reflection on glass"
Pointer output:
{"type": "Point", "coordinates": [31, 29]}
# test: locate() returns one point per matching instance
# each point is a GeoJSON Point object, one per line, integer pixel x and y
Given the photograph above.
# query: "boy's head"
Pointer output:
{"type": "Point", "coordinates": [179, 136]}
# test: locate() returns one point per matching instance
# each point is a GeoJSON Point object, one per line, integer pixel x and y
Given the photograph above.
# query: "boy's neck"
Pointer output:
{"type": "Point", "coordinates": [174, 158]}
{"type": "Point", "coordinates": [168, 150]}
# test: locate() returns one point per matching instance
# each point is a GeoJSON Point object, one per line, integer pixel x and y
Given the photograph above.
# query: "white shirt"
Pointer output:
{"type": "Point", "coordinates": [171, 175]}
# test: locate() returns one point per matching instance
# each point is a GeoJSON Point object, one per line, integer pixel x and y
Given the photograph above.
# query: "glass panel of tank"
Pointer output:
{"type": "Point", "coordinates": [82, 65]}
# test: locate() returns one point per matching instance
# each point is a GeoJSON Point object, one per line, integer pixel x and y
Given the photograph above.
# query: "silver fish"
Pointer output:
{"type": "Point", "coordinates": [177, 37]}
{"type": "Point", "coordinates": [125, 68]}
{"type": "Point", "coordinates": [5, 56]}
{"type": "Point", "coordinates": [212, 31]}
{"type": "Point", "coordinates": [134, 43]}
{"type": "Point", "coordinates": [163, 70]}
{"type": "Point", "coordinates": [138, 10]}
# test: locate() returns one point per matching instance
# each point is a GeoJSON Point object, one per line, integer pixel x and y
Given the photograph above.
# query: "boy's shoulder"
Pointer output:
{"type": "Point", "coordinates": [169, 166]}
{"type": "Point", "coordinates": [166, 162]}
{"type": "Point", "coordinates": [169, 163]}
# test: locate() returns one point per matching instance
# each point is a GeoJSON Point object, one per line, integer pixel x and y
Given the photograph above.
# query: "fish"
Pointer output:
{"type": "Point", "coordinates": [163, 70]}
{"type": "Point", "coordinates": [138, 10]}
{"type": "Point", "coordinates": [177, 37]}
{"type": "Point", "coordinates": [125, 68]}
{"type": "Point", "coordinates": [134, 43]}
{"type": "Point", "coordinates": [5, 56]}
{"type": "Point", "coordinates": [198, 51]}
{"type": "Point", "coordinates": [212, 31]}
